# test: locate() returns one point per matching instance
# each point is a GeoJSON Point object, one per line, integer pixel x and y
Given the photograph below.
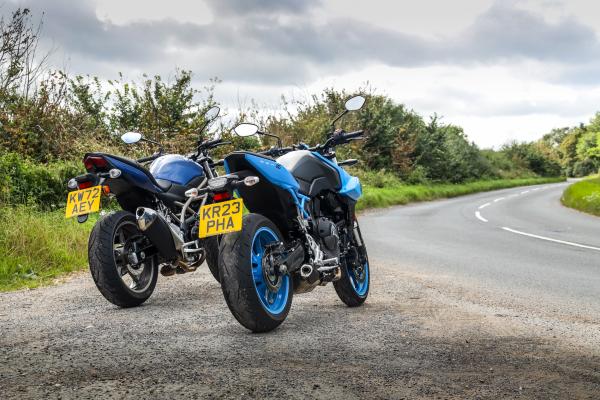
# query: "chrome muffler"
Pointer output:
{"type": "Point", "coordinates": [306, 271]}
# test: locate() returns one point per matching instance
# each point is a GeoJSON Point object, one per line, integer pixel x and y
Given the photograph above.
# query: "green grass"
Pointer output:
{"type": "Point", "coordinates": [403, 194]}
{"type": "Point", "coordinates": [583, 196]}
{"type": "Point", "coordinates": [37, 247]}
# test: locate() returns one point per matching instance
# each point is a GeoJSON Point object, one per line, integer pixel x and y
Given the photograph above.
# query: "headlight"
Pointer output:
{"type": "Point", "coordinates": [216, 184]}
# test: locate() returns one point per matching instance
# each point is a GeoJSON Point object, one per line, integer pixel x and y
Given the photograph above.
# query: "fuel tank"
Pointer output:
{"type": "Point", "coordinates": [176, 169]}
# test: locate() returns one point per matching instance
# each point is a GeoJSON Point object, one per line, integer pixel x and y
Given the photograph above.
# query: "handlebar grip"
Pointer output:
{"type": "Point", "coordinates": [348, 163]}
{"type": "Point", "coordinates": [353, 135]}
{"type": "Point", "coordinates": [146, 159]}
{"type": "Point", "coordinates": [219, 163]}
{"type": "Point", "coordinates": [210, 143]}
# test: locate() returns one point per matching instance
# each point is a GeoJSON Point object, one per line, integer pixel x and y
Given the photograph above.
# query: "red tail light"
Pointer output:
{"type": "Point", "coordinates": [84, 185]}
{"type": "Point", "coordinates": [222, 196]}
{"type": "Point", "coordinates": [94, 162]}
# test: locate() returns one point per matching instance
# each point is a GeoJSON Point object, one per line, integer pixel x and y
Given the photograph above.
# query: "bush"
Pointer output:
{"type": "Point", "coordinates": [584, 168]}
{"type": "Point", "coordinates": [378, 179]}
{"type": "Point", "coordinates": [25, 182]}
{"type": "Point", "coordinates": [536, 157]}
{"type": "Point", "coordinates": [417, 176]}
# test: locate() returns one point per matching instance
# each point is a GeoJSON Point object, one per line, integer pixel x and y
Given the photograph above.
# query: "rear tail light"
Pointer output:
{"type": "Point", "coordinates": [222, 196]}
{"type": "Point", "coordinates": [85, 185]}
{"type": "Point", "coordinates": [94, 163]}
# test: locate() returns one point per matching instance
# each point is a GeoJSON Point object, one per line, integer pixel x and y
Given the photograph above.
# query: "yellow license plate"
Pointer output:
{"type": "Point", "coordinates": [84, 201]}
{"type": "Point", "coordinates": [220, 218]}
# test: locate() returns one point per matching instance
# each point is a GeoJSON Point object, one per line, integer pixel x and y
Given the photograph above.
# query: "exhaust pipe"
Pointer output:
{"type": "Point", "coordinates": [309, 274]}
{"type": "Point", "coordinates": [162, 235]}
{"type": "Point", "coordinates": [306, 271]}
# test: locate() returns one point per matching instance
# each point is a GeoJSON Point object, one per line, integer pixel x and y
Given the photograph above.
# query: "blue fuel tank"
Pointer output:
{"type": "Point", "coordinates": [175, 168]}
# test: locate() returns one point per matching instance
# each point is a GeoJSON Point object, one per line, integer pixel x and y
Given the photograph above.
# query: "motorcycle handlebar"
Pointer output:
{"type": "Point", "coordinates": [210, 143]}
{"type": "Point", "coordinates": [276, 151]}
{"type": "Point", "coordinates": [149, 158]}
{"type": "Point", "coordinates": [341, 138]}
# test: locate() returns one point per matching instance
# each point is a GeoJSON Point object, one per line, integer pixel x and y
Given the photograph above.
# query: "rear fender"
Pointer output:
{"type": "Point", "coordinates": [276, 194]}
{"type": "Point", "coordinates": [134, 176]}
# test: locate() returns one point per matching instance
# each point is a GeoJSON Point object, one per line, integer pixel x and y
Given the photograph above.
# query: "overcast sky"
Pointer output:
{"type": "Point", "coordinates": [502, 69]}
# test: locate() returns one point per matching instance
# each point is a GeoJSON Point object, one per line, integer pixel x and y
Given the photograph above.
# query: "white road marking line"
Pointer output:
{"type": "Point", "coordinates": [479, 217]}
{"type": "Point", "coordinates": [535, 189]}
{"type": "Point", "coordinates": [525, 191]}
{"type": "Point", "coordinates": [583, 246]}
{"type": "Point", "coordinates": [484, 206]}
{"type": "Point", "coordinates": [498, 199]}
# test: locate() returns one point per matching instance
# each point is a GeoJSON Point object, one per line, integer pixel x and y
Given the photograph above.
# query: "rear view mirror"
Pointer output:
{"type": "Point", "coordinates": [212, 113]}
{"type": "Point", "coordinates": [355, 103]}
{"type": "Point", "coordinates": [131, 137]}
{"type": "Point", "coordinates": [245, 129]}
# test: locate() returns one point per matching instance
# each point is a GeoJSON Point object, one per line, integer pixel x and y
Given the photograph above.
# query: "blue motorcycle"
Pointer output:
{"type": "Point", "coordinates": [158, 223]}
{"type": "Point", "coordinates": [301, 230]}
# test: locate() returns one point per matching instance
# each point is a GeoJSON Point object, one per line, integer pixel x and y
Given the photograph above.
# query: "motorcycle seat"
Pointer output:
{"type": "Point", "coordinates": [161, 183]}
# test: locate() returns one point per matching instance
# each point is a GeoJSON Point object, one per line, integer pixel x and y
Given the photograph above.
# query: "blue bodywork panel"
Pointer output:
{"type": "Point", "coordinates": [278, 175]}
{"type": "Point", "coordinates": [175, 168]}
{"type": "Point", "coordinates": [137, 176]}
{"type": "Point", "coordinates": [350, 184]}
{"type": "Point", "coordinates": [274, 172]}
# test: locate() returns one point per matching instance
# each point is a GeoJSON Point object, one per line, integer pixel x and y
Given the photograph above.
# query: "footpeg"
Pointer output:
{"type": "Point", "coordinates": [167, 270]}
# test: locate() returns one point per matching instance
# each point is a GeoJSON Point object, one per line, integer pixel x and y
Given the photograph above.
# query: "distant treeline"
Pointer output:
{"type": "Point", "coordinates": [48, 116]}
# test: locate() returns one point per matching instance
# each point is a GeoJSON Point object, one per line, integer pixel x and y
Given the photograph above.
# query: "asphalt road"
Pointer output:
{"type": "Point", "coordinates": [459, 308]}
{"type": "Point", "coordinates": [518, 248]}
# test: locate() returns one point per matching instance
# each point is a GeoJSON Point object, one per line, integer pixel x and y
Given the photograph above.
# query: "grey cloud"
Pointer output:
{"type": "Point", "coordinates": [247, 42]}
{"type": "Point", "coordinates": [506, 32]}
{"type": "Point", "coordinates": [265, 7]}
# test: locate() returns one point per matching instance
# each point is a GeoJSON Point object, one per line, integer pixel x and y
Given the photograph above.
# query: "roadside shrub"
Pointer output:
{"type": "Point", "coordinates": [378, 179]}
{"type": "Point", "coordinates": [29, 183]}
{"type": "Point", "coordinates": [584, 168]}
{"type": "Point", "coordinates": [533, 156]}
{"type": "Point", "coordinates": [417, 176]}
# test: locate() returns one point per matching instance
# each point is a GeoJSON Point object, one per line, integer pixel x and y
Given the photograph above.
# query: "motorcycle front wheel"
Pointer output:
{"type": "Point", "coordinates": [353, 286]}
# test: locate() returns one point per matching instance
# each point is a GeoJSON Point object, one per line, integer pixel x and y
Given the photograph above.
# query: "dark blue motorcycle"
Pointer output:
{"type": "Point", "coordinates": [158, 223]}
{"type": "Point", "coordinates": [301, 231]}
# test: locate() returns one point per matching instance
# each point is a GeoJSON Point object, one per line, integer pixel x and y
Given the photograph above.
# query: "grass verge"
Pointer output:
{"type": "Point", "coordinates": [37, 247]}
{"type": "Point", "coordinates": [583, 196]}
{"type": "Point", "coordinates": [403, 194]}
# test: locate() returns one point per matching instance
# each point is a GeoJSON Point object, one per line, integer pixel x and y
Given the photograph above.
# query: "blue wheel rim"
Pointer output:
{"type": "Point", "coordinates": [360, 286]}
{"type": "Point", "coordinates": [272, 301]}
